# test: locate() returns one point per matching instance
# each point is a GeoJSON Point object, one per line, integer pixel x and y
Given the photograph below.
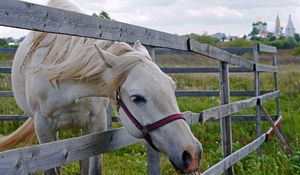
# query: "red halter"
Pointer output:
{"type": "Point", "coordinates": [150, 127]}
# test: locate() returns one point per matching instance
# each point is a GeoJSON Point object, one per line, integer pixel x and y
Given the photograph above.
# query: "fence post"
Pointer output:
{"type": "Point", "coordinates": [226, 121]}
{"type": "Point", "coordinates": [109, 116]}
{"type": "Point", "coordinates": [274, 60]}
{"type": "Point", "coordinates": [257, 93]}
{"type": "Point", "coordinates": [153, 155]}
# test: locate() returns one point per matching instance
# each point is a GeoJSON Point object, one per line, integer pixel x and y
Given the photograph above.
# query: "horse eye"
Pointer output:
{"type": "Point", "coordinates": [137, 99]}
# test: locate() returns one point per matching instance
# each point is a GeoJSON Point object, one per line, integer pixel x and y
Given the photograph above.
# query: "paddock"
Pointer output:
{"type": "Point", "coordinates": [19, 14]}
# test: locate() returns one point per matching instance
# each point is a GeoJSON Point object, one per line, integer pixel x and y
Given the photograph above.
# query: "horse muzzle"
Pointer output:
{"type": "Point", "coordinates": [189, 161]}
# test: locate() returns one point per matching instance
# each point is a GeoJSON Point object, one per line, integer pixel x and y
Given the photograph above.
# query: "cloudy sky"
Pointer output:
{"type": "Point", "coordinates": [189, 16]}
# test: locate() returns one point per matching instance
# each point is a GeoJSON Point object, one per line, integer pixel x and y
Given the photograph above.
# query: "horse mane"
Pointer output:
{"type": "Point", "coordinates": [76, 58]}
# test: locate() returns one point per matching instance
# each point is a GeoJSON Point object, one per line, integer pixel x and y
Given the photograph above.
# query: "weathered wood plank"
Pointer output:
{"type": "Point", "coordinates": [228, 109]}
{"type": "Point", "coordinates": [152, 155]}
{"type": "Point", "coordinates": [180, 70]}
{"type": "Point", "coordinates": [277, 132]}
{"type": "Point", "coordinates": [266, 48]}
{"type": "Point", "coordinates": [219, 54]}
{"type": "Point", "coordinates": [238, 50]}
{"type": "Point", "coordinates": [270, 132]}
{"type": "Point", "coordinates": [276, 83]}
{"type": "Point", "coordinates": [190, 70]}
{"type": "Point", "coordinates": [153, 161]}
{"type": "Point", "coordinates": [165, 51]}
{"type": "Point", "coordinates": [248, 118]}
{"type": "Point", "coordinates": [41, 157]}
{"type": "Point", "coordinates": [266, 97]}
{"type": "Point", "coordinates": [203, 70]}
{"type": "Point", "coordinates": [109, 116]}
{"type": "Point", "coordinates": [255, 56]}
{"type": "Point", "coordinates": [116, 119]}
{"type": "Point", "coordinates": [221, 166]}
{"type": "Point", "coordinates": [225, 121]}
{"type": "Point", "coordinates": [197, 93]}
{"type": "Point", "coordinates": [6, 70]}
{"type": "Point", "coordinates": [11, 51]}
{"type": "Point", "coordinates": [13, 117]}
{"type": "Point", "coordinates": [239, 70]}
{"type": "Point", "coordinates": [215, 93]}
{"type": "Point", "coordinates": [265, 68]}
{"type": "Point", "coordinates": [181, 93]}
{"type": "Point", "coordinates": [30, 16]}
{"type": "Point", "coordinates": [6, 94]}
{"type": "Point", "coordinates": [191, 118]}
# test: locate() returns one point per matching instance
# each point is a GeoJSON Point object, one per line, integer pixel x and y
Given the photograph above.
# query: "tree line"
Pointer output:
{"type": "Point", "coordinates": [281, 42]}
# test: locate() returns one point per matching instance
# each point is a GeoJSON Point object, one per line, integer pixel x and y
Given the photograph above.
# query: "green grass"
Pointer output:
{"type": "Point", "coordinates": [133, 159]}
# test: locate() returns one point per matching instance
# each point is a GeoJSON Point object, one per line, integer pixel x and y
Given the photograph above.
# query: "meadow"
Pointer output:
{"type": "Point", "coordinates": [133, 159]}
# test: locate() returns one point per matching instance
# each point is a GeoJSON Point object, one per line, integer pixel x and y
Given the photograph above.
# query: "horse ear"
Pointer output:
{"type": "Point", "coordinates": [109, 59]}
{"type": "Point", "coordinates": [140, 48]}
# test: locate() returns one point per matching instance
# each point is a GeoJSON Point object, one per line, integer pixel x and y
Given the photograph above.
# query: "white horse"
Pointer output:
{"type": "Point", "coordinates": [65, 81]}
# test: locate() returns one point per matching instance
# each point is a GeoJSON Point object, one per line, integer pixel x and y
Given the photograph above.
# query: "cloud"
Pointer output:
{"type": "Point", "coordinates": [195, 16]}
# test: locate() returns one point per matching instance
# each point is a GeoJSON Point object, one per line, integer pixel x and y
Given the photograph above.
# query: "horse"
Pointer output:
{"type": "Point", "coordinates": [65, 82]}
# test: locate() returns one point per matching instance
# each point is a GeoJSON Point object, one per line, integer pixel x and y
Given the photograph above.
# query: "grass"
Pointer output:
{"type": "Point", "coordinates": [133, 159]}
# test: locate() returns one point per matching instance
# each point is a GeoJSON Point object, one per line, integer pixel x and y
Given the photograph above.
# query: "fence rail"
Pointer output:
{"type": "Point", "coordinates": [183, 93]}
{"type": "Point", "coordinates": [227, 162]}
{"type": "Point", "coordinates": [45, 156]}
{"type": "Point", "coordinates": [30, 16]}
{"type": "Point", "coordinates": [228, 109]}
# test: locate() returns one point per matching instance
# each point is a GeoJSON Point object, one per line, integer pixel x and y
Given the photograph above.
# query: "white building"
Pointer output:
{"type": "Point", "coordinates": [261, 27]}
{"type": "Point", "coordinates": [290, 29]}
{"type": "Point", "coordinates": [278, 29]}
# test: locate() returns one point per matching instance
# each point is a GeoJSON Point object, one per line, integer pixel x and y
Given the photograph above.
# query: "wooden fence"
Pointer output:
{"type": "Point", "coordinates": [32, 159]}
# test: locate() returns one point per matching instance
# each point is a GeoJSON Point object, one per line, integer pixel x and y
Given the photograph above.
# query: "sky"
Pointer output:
{"type": "Point", "coordinates": [181, 17]}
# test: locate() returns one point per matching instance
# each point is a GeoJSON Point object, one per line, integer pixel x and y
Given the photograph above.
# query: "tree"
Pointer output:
{"type": "Point", "coordinates": [271, 36]}
{"type": "Point", "coordinates": [297, 37]}
{"type": "Point", "coordinates": [103, 15]}
{"type": "Point", "coordinates": [3, 43]}
{"type": "Point", "coordinates": [254, 32]}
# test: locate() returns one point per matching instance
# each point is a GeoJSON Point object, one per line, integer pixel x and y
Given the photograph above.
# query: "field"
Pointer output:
{"type": "Point", "coordinates": [132, 159]}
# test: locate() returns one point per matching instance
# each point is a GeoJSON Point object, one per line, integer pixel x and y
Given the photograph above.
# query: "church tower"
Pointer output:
{"type": "Point", "coordinates": [278, 28]}
{"type": "Point", "coordinates": [290, 29]}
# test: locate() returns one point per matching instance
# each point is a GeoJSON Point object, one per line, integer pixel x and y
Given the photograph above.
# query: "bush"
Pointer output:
{"type": "Point", "coordinates": [206, 39]}
{"type": "Point", "coordinates": [296, 51]}
{"type": "Point", "coordinates": [238, 43]}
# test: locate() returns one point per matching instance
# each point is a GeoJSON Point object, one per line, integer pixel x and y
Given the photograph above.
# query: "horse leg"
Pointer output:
{"type": "Point", "coordinates": [98, 125]}
{"type": "Point", "coordinates": [93, 165]}
{"type": "Point", "coordinates": [46, 133]}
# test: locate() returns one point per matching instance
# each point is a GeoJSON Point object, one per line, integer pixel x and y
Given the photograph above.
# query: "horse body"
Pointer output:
{"type": "Point", "coordinates": [65, 81]}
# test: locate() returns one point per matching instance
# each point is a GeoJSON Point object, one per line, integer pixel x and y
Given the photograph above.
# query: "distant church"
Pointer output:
{"type": "Point", "coordinates": [289, 30]}
{"type": "Point", "coordinates": [261, 27]}
{"type": "Point", "coordinates": [278, 29]}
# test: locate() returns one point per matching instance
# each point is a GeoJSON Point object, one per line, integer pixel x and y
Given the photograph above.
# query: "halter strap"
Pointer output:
{"type": "Point", "coordinates": [150, 127]}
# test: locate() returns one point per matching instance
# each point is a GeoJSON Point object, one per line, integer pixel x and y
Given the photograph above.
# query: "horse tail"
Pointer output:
{"type": "Point", "coordinates": [24, 135]}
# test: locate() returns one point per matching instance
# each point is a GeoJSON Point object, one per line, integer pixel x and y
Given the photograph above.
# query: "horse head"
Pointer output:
{"type": "Point", "coordinates": [148, 109]}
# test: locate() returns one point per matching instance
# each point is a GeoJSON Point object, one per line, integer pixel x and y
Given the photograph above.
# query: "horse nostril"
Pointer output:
{"type": "Point", "coordinates": [186, 158]}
